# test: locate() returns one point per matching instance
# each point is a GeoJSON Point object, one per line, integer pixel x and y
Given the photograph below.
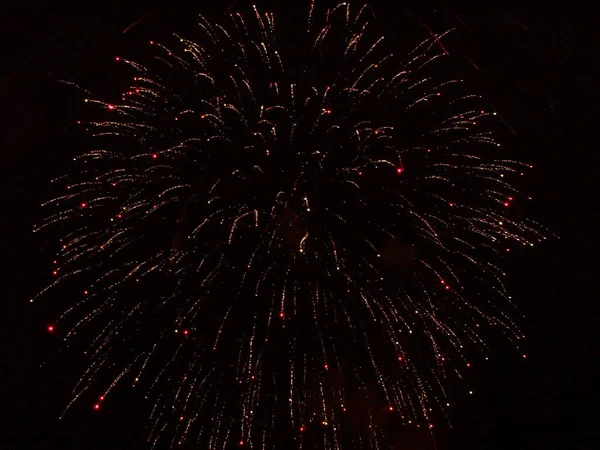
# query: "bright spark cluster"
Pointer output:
{"type": "Point", "coordinates": [284, 234]}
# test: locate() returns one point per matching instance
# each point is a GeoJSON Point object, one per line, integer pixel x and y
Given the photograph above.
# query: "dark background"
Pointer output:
{"type": "Point", "coordinates": [534, 64]}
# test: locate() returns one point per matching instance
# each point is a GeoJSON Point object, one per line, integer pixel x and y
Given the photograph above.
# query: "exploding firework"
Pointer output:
{"type": "Point", "coordinates": [295, 232]}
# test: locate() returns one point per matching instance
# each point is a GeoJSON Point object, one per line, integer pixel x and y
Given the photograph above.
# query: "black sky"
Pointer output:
{"type": "Point", "coordinates": [536, 66]}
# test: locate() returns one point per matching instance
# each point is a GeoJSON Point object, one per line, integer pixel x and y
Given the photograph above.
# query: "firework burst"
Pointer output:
{"type": "Point", "coordinates": [273, 228]}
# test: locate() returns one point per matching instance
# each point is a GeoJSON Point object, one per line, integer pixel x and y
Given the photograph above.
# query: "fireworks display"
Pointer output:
{"type": "Point", "coordinates": [286, 234]}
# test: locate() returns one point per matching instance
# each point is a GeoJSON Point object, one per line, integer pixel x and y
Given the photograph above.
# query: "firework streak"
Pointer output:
{"type": "Point", "coordinates": [287, 234]}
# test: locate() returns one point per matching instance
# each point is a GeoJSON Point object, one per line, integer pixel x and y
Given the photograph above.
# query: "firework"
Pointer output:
{"type": "Point", "coordinates": [296, 232]}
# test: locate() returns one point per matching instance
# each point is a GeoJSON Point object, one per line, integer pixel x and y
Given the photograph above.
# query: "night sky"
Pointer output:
{"type": "Point", "coordinates": [533, 64]}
